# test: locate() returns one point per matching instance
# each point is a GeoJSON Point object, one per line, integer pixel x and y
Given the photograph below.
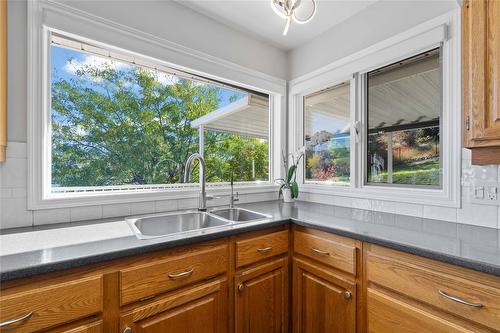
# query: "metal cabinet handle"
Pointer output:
{"type": "Point", "coordinates": [458, 300]}
{"type": "Point", "coordinates": [241, 287]}
{"type": "Point", "coordinates": [127, 330]}
{"type": "Point", "coordinates": [13, 321]}
{"type": "Point", "coordinates": [181, 275]}
{"type": "Point", "coordinates": [347, 295]}
{"type": "Point", "coordinates": [324, 253]}
{"type": "Point", "coordinates": [265, 249]}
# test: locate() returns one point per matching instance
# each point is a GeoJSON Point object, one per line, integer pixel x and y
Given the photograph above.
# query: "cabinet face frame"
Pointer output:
{"type": "Point", "coordinates": [481, 79]}
{"type": "Point", "coordinates": [481, 72]}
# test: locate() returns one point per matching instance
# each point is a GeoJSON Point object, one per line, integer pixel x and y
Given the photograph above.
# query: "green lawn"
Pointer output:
{"type": "Point", "coordinates": [420, 174]}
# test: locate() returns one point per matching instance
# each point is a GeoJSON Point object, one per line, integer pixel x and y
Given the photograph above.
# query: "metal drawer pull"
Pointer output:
{"type": "Point", "coordinates": [265, 249]}
{"type": "Point", "coordinates": [458, 300]}
{"type": "Point", "coordinates": [13, 321]}
{"type": "Point", "coordinates": [324, 253]}
{"type": "Point", "coordinates": [181, 275]}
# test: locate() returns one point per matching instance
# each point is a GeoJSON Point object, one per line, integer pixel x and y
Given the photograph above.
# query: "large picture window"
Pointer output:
{"type": "Point", "coordinates": [119, 123]}
{"type": "Point", "coordinates": [403, 111]}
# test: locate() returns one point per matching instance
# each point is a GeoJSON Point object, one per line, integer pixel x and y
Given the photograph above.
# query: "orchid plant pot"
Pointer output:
{"type": "Point", "coordinates": [287, 195]}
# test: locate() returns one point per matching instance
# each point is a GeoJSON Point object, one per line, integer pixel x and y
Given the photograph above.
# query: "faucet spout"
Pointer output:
{"type": "Point", "coordinates": [202, 204]}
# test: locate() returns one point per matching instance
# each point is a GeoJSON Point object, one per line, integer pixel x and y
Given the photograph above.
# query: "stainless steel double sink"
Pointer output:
{"type": "Point", "coordinates": [155, 226]}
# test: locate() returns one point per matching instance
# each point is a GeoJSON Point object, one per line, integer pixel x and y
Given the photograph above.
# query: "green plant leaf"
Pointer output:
{"type": "Point", "coordinates": [291, 171]}
{"type": "Point", "coordinates": [294, 187]}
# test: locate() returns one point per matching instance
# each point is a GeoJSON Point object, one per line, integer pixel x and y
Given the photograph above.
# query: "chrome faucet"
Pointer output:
{"type": "Point", "coordinates": [233, 198]}
{"type": "Point", "coordinates": [202, 204]}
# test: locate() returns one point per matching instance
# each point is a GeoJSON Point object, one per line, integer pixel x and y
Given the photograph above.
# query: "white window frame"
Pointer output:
{"type": "Point", "coordinates": [442, 31]}
{"type": "Point", "coordinates": [45, 17]}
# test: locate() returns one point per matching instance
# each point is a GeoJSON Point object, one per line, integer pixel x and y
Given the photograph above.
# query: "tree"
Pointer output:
{"type": "Point", "coordinates": [132, 125]}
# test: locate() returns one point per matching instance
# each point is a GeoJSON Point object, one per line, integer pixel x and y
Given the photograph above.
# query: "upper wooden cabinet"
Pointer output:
{"type": "Point", "coordinates": [481, 79]}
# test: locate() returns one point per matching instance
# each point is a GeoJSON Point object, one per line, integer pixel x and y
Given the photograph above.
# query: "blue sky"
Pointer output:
{"type": "Point", "coordinates": [65, 62]}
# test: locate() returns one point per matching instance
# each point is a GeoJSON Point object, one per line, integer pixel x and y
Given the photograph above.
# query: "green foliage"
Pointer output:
{"type": "Point", "coordinates": [294, 187]}
{"type": "Point", "coordinates": [291, 172]}
{"type": "Point", "coordinates": [116, 127]}
{"type": "Point", "coordinates": [426, 173]}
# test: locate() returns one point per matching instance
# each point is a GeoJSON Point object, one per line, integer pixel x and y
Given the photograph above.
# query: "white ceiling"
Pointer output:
{"type": "Point", "coordinates": [258, 19]}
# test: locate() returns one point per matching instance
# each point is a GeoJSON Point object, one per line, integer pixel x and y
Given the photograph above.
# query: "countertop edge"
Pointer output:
{"type": "Point", "coordinates": [108, 256]}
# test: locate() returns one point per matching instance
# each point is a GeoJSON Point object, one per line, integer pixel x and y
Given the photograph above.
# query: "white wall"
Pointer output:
{"type": "Point", "coordinates": [17, 70]}
{"type": "Point", "coordinates": [372, 25]}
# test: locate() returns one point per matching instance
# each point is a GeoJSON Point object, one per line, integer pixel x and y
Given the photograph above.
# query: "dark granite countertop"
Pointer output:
{"type": "Point", "coordinates": [468, 246]}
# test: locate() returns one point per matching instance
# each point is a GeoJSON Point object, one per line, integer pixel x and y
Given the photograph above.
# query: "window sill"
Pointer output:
{"type": "Point", "coordinates": [424, 196]}
{"type": "Point", "coordinates": [78, 199]}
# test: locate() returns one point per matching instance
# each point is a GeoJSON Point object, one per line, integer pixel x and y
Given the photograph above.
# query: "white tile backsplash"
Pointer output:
{"type": "Point", "coordinates": [13, 211]}
{"type": "Point", "coordinates": [51, 216]}
{"type": "Point", "coordinates": [188, 203]}
{"type": "Point", "coordinates": [480, 215]}
{"type": "Point", "coordinates": [14, 173]}
{"type": "Point", "coordinates": [165, 205]}
{"type": "Point", "coordinates": [16, 150]}
{"type": "Point", "coordinates": [116, 210]}
{"type": "Point", "coordinates": [440, 213]}
{"type": "Point", "coordinates": [145, 207]}
{"type": "Point", "coordinates": [85, 213]}
{"type": "Point", "coordinates": [5, 192]}
{"type": "Point", "coordinates": [498, 221]}
{"type": "Point", "coordinates": [383, 206]}
{"type": "Point", "coordinates": [404, 208]}
{"type": "Point", "coordinates": [485, 173]}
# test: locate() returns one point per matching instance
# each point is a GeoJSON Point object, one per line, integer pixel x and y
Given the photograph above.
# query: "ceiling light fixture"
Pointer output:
{"type": "Point", "coordinates": [286, 9]}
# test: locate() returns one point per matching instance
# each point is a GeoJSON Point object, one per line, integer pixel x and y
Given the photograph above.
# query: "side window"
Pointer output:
{"type": "Point", "coordinates": [404, 102]}
{"type": "Point", "coordinates": [327, 135]}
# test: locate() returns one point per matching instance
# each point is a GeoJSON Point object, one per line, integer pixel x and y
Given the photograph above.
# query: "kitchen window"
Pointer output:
{"type": "Point", "coordinates": [327, 128]}
{"type": "Point", "coordinates": [118, 123]}
{"type": "Point", "coordinates": [403, 122]}
{"type": "Point", "coordinates": [384, 123]}
{"type": "Point", "coordinates": [110, 125]}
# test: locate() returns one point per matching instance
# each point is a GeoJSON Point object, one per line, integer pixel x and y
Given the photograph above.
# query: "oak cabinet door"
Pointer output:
{"type": "Point", "coordinates": [481, 72]}
{"type": "Point", "coordinates": [200, 309]}
{"type": "Point", "coordinates": [322, 301]}
{"type": "Point", "coordinates": [261, 298]}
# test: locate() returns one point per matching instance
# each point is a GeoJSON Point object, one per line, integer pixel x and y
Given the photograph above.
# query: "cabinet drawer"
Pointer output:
{"type": "Point", "coordinates": [330, 251]}
{"type": "Point", "coordinates": [51, 305]}
{"type": "Point", "coordinates": [388, 314]}
{"type": "Point", "coordinates": [253, 249]}
{"type": "Point", "coordinates": [451, 293]}
{"type": "Point", "coordinates": [198, 309]}
{"type": "Point", "coordinates": [157, 276]}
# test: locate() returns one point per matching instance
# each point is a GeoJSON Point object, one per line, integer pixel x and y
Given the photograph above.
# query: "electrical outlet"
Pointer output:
{"type": "Point", "coordinates": [485, 193]}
